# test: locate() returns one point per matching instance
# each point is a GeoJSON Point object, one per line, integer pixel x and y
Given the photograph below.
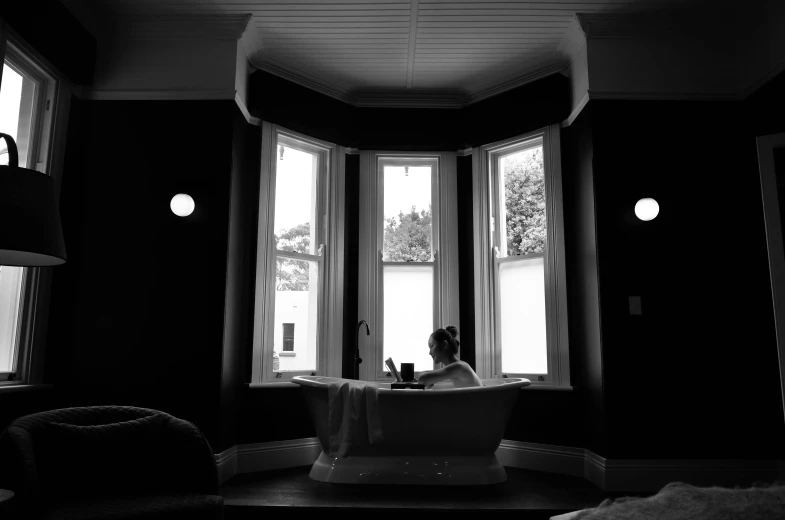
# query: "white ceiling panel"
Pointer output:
{"type": "Point", "coordinates": [418, 47]}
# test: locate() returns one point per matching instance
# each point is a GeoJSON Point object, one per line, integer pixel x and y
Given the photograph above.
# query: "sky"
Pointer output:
{"type": "Point", "coordinates": [294, 192]}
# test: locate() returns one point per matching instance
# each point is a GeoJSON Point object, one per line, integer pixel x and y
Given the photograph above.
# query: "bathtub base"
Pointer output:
{"type": "Point", "coordinates": [416, 470]}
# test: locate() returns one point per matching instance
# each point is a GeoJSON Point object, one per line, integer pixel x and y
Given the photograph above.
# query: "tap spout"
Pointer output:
{"type": "Point", "coordinates": [357, 358]}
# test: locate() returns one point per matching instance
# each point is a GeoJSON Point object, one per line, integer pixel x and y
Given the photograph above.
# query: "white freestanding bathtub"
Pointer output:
{"type": "Point", "coordinates": [442, 436]}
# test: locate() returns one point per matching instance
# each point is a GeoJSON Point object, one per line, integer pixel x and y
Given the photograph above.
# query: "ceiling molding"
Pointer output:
{"type": "Point", "coordinates": [573, 40]}
{"type": "Point", "coordinates": [547, 70]}
{"type": "Point", "coordinates": [171, 27]}
{"type": "Point", "coordinates": [311, 82]}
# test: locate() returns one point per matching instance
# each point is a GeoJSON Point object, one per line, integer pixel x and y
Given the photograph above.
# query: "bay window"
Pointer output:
{"type": "Point", "coordinates": [299, 301]}
{"type": "Point", "coordinates": [408, 257]}
{"type": "Point", "coordinates": [520, 280]}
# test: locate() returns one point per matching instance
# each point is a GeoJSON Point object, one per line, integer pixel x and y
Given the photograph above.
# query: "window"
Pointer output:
{"type": "Point", "coordinates": [27, 101]}
{"type": "Point", "coordinates": [408, 265]}
{"type": "Point", "coordinates": [520, 280]}
{"type": "Point", "coordinates": [299, 289]}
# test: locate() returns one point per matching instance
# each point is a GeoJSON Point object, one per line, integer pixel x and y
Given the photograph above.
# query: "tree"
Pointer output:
{"type": "Point", "coordinates": [524, 189]}
{"type": "Point", "coordinates": [407, 237]}
{"type": "Point", "coordinates": [291, 274]}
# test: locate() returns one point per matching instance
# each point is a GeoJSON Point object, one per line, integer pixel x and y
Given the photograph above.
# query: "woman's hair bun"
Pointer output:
{"type": "Point", "coordinates": [452, 330]}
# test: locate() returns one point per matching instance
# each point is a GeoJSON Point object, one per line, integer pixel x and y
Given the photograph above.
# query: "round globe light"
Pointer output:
{"type": "Point", "coordinates": [647, 209]}
{"type": "Point", "coordinates": [182, 205]}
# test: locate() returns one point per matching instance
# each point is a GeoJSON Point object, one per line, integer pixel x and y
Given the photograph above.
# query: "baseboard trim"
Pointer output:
{"type": "Point", "coordinates": [614, 475]}
{"type": "Point", "coordinates": [266, 456]}
{"type": "Point", "coordinates": [541, 457]}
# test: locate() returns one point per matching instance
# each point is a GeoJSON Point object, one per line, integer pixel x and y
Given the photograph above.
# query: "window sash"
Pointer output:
{"type": "Point", "coordinates": [499, 350]}
{"type": "Point", "coordinates": [329, 255]}
{"type": "Point", "coordinates": [288, 374]}
{"type": "Point", "coordinates": [322, 157]}
{"type": "Point", "coordinates": [382, 374]}
{"type": "Point", "coordinates": [444, 245]}
{"type": "Point", "coordinates": [378, 354]}
{"type": "Point", "coordinates": [488, 256]}
{"type": "Point", "coordinates": [498, 205]}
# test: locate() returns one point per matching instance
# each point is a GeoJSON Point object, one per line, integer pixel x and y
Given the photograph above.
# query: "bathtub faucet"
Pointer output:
{"type": "Point", "coordinates": [357, 358]}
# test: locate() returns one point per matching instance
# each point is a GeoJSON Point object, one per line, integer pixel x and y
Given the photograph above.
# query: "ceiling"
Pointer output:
{"type": "Point", "coordinates": [364, 51]}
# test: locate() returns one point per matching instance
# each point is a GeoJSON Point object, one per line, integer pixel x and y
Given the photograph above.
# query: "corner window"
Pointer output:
{"type": "Point", "coordinates": [27, 100]}
{"type": "Point", "coordinates": [520, 291]}
{"type": "Point", "coordinates": [408, 257]}
{"type": "Point", "coordinates": [298, 318]}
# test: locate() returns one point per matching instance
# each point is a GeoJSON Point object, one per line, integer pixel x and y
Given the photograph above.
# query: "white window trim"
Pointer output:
{"type": "Point", "coordinates": [50, 123]}
{"type": "Point", "coordinates": [444, 211]}
{"type": "Point", "coordinates": [332, 195]}
{"type": "Point", "coordinates": [486, 333]}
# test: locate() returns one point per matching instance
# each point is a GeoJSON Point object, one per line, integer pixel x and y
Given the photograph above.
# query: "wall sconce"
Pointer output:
{"type": "Point", "coordinates": [646, 209]}
{"type": "Point", "coordinates": [182, 205]}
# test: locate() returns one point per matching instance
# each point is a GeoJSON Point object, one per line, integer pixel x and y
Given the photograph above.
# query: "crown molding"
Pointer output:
{"type": "Point", "coordinates": [309, 81]}
{"type": "Point", "coordinates": [572, 41]}
{"type": "Point", "coordinates": [188, 27]}
{"type": "Point", "coordinates": [547, 70]}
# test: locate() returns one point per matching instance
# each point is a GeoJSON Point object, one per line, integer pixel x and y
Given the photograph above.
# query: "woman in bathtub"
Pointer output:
{"type": "Point", "coordinates": [443, 349]}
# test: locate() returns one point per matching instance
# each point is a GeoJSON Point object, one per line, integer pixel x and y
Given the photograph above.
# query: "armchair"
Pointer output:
{"type": "Point", "coordinates": [109, 462]}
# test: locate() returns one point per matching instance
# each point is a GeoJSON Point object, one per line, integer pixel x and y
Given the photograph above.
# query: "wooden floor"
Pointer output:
{"type": "Point", "coordinates": [530, 495]}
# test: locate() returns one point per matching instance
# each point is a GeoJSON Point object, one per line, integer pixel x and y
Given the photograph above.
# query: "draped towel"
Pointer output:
{"type": "Point", "coordinates": [353, 415]}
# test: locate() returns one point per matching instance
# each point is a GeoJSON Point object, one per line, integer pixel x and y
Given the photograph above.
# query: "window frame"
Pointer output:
{"type": "Point", "coordinates": [48, 124]}
{"type": "Point", "coordinates": [444, 212]}
{"type": "Point", "coordinates": [329, 231]}
{"type": "Point", "coordinates": [486, 207]}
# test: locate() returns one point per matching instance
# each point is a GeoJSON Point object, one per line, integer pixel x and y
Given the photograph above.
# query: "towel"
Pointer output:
{"type": "Point", "coordinates": [353, 415]}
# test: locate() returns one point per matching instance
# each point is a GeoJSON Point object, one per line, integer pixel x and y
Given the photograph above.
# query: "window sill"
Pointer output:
{"type": "Point", "coordinates": [282, 384]}
{"type": "Point", "coordinates": [12, 387]}
{"type": "Point", "coordinates": [548, 388]}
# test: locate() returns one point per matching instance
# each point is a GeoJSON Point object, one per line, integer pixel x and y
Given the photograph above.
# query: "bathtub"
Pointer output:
{"type": "Point", "coordinates": [441, 436]}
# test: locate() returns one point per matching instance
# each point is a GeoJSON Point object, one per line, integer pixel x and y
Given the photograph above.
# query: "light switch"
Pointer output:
{"type": "Point", "coordinates": [635, 306]}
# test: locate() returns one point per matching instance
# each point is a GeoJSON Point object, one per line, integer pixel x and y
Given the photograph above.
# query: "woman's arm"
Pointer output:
{"type": "Point", "coordinates": [434, 376]}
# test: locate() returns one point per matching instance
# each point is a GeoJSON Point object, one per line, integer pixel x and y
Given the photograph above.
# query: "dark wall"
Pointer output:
{"type": "Point", "coordinates": [240, 275]}
{"type": "Point", "coordinates": [466, 261]}
{"type": "Point", "coordinates": [50, 28]}
{"type": "Point", "coordinates": [696, 374]}
{"type": "Point", "coordinates": [583, 290]}
{"type": "Point", "coordinates": [351, 268]}
{"type": "Point", "coordinates": [137, 313]}
{"type": "Point", "coordinates": [514, 112]}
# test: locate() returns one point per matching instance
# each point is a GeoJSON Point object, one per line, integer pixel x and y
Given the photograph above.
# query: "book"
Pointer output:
{"type": "Point", "coordinates": [393, 369]}
{"type": "Point", "coordinates": [403, 386]}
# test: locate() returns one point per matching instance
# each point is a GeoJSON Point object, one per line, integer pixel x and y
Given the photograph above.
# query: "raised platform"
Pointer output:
{"type": "Point", "coordinates": [529, 495]}
{"type": "Point", "coordinates": [410, 470]}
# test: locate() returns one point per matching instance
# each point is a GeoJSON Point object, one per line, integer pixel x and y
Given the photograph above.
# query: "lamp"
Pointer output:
{"type": "Point", "coordinates": [31, 234]}
{"type": "Point", "coordinates": [646, 209]}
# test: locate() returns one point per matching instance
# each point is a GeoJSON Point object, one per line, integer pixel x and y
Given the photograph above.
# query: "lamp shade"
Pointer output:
{"type": "Point", "coordinates": [31, 233]}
